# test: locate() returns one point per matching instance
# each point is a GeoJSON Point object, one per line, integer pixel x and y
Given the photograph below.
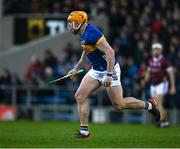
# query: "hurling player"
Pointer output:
{"type": "Point", "coordinates": [105, 71]}
{"type": "Point", "coordinates": [158, 71]}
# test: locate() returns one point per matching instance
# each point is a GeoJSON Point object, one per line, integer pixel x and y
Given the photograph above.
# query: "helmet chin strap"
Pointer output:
{"type": "Point", "coordinates": [76, 30]}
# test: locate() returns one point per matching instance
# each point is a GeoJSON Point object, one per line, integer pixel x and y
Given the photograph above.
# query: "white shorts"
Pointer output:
{"type": "Point", "coordinates": [159, 89]}
{"type": "Point", "coordinates": [99, 75]}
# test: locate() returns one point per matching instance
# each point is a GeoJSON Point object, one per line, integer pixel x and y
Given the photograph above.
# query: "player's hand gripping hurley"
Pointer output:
{"type": "Point", "coordinates": [69, 75]}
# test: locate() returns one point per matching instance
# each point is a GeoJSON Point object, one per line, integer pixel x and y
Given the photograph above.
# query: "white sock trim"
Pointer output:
{"type": "Point", "coordinates": [149, 106]}
{"type": "Point", "coordinates": [84, 132]}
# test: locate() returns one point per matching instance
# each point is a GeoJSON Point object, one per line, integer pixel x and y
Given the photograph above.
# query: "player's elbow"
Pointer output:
{"type": "Point", "coordinates": [110, 53]}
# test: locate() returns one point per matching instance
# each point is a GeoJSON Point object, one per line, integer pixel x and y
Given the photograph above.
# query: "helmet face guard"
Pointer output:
{"type": "Point", "coordinates": [74, 27]}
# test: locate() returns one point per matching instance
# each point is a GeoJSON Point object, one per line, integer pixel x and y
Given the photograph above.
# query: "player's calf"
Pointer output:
{"type": "Point", "coordinates": [121, 104]}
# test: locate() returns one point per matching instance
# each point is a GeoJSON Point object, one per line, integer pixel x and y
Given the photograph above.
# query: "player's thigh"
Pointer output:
{"type": "Point", "coordinates": [159, 91]}
{"type": "Point", "coordinates": [87, 86]}
{"type": "Point", "coordinates": [115, 93]}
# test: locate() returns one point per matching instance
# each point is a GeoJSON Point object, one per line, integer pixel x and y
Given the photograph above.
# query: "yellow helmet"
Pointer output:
{"type": "Point", "coordinates": [79, 17]}
{"type": "Point", "coordinates": [76, 20]}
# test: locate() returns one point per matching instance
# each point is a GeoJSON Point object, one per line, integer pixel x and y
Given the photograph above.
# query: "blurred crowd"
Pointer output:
{"type": "Point", "coordinates": [40, 72]}
{"type": "Point", "coordinates": [134, 26]}
{"type": "Point", "coordinates": [53, 7]}
{"type": "Point", "coordinates": [140, 24]}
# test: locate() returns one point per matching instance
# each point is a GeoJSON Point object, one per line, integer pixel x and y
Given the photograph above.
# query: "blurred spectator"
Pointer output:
{"type": "Point", "coordinates": [157, 23]}
{"type": "Point", "coordinates": [48, 74]}
{"type": "Point", "coordinates": [68, 6]}
{"type": "Point", "coordinates": [69, 51]}
{"type": "Point", "coordinates": [7, 80]}
{"type": "Point", "coordinates": [138, 54]}
{"type": "Point", "coordinates": [35, 6]}
{"type": "Point", "coordinates": [35, 71]}
{"type": "Point", "coordinates": [133, 70]}
{"type": "Point", "coordinates": [50, 60]}
{"type": "Point", "coordinates": [56, 7]}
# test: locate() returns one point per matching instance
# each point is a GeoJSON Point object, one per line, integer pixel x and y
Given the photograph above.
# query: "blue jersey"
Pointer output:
{"type": "Point", "coordinates": [89, 39]}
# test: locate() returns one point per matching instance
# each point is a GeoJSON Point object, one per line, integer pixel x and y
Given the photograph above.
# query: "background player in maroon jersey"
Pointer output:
{"type": "Point", "coordinates": [158, 70]}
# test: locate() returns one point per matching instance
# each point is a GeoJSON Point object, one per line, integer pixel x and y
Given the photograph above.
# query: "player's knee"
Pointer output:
{"type": "Point", "coordinates": [119, 105]}
{"type": "Point", "coordinates": [84, 113]}
{"type": "Point", "coordinates": [79, 97]}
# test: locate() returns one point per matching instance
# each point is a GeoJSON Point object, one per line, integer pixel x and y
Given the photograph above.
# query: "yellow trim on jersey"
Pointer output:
{"type": "Point", "coordinates": [88, 48]}
{"type": "Point", "coordinates": [100, 39]}
{"type": "Point", "coordinates": [91, 48]}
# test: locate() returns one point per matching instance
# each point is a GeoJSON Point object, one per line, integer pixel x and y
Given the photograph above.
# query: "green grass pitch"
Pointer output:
{"type": "Point", "coordinates": [61, 134]}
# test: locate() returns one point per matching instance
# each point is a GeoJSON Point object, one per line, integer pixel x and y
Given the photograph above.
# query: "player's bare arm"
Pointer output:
{"type": "Point", "coordinates": [172, 80]}
{"type": "Point", "coordinates": [80, 64]}
{"type": "Point", "coordinates": [104, 47]}
{"type": "Point", "coordinates": [109, 53]}
{"type": "Point", "coordinates": [146, 78]}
